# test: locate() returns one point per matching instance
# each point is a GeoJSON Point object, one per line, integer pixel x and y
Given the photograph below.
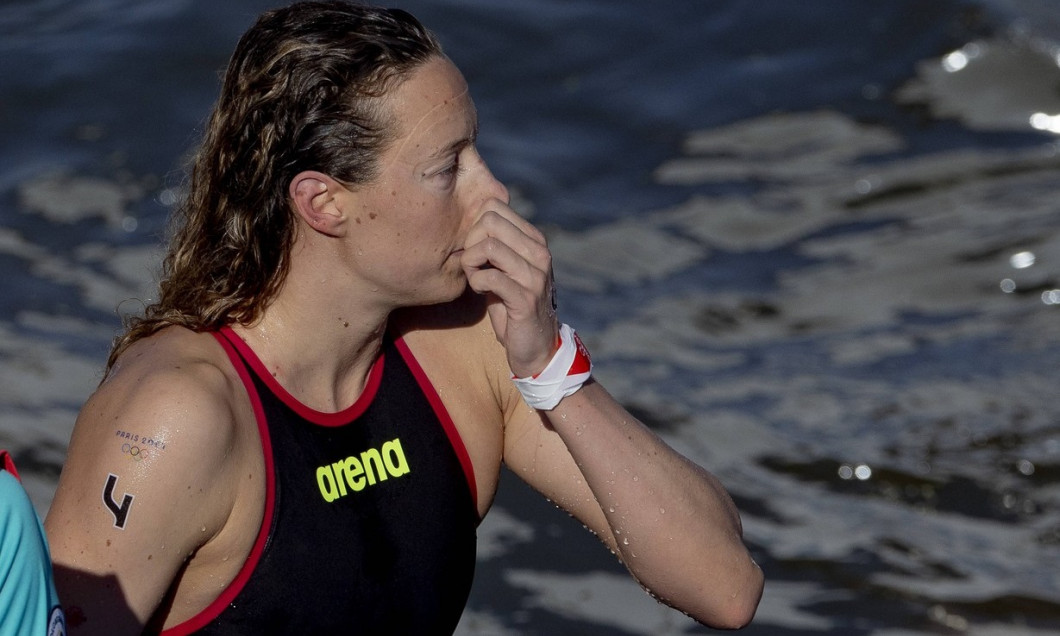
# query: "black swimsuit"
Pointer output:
{"type": "Point", "coordinates": [370, 513]}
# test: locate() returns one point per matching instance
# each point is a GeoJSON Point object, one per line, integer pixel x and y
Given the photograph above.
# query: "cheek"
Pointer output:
{"type": "Point", "coordinates": [411, 219]}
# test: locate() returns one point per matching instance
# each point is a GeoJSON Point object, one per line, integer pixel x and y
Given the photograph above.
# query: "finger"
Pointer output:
{"type": "Point", "coordinates": [519, 259]}
{"type": "Point", "coordinates": [523, 324]}
{"type": "Point", "coordinates": [506, 265]}
{"type": "Point", "coordinates": [498, 284]}
{"type": "Point", "coordinates": [523, 237]}
{"type": "Point", "coordinates": [511, 251]}
{"type": "Point", "coordinates": [514, 304]}
{"type": "Point", "coordinates": [505, 211]}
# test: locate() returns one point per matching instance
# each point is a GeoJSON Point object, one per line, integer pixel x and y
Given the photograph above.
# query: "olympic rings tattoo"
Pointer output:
{"type": "Point", "coordinates": [135, 452]}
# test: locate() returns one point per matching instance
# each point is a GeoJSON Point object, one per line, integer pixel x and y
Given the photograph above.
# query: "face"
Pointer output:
{"type": "Point", "coordinates": [407, 228]}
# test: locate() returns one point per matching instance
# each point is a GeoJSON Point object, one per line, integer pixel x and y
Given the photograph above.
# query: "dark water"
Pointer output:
{"type": "Point", "coordinates": [820, 263]}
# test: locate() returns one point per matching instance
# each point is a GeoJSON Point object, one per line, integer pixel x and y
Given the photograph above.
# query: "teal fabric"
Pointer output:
{"type": "Point", "coordinates": [28, 601]}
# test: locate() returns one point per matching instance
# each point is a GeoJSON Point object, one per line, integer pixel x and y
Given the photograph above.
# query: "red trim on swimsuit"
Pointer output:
{"type": "Point", "coordinates": [443, 416]}
{"type": "Point", "coordinates": [229, 594]}
{"type": "Point", "coordinates": [322, 418]}
{"type": "Point", "coordinates": [235, 347]}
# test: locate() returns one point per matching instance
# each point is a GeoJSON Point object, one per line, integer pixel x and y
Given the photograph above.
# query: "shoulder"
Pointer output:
{"type": "Point", "coordinates": [171, 404]}
{"type": "Point", "coordinates": [166, 395]}
{"type": "Point", "coordinates": [455, 344]}
{"type": "Point", "coordinates": [457, 334]}
{"type": "Point", "coordinates": [174, 352]}
{"type": "Point", "coordinates": [151, 461]}
{"type": "Point", "coordinates": [171, 380]}
{"type": "Point", "coordinates": [150, 475]}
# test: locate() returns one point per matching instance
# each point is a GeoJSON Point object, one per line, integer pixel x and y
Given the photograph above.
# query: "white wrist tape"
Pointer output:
{"type": "Point", "coordinates": [568, 370]}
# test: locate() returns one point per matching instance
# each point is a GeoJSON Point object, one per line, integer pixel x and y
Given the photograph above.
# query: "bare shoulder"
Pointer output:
{"type": "Point", "coordinates": [173, 387]}
{"type": "Point", "coordinates": [456, 337]}
{"type": "Point", "coordinates": [456, 342]}
{"type": "Point", "coordinates": [144, 485]}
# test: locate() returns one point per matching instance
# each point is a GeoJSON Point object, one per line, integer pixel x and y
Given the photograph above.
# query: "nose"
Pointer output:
{"type": "Point", "coordinates": [497, 190]}
{"type": "Point", "coordinates": [489, 186]}
{"type": "Point", "coordinates": [486, 185]}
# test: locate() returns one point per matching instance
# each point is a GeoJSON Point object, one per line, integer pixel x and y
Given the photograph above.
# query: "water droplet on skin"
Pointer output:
{"type": "Point", "coordinates": [635, 478]}
{"type": "Point", "coordinates": [662, 511]}
{"type": "Point", "coordinates": [625, 541]}
{"type": "Point", "coordinates": [611, 509]}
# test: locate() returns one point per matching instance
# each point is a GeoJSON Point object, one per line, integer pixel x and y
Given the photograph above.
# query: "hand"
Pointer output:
{"type": "Point", "coordinates": [507, 258]}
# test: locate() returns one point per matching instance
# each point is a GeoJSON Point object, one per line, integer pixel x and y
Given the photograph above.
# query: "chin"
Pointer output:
{"type": "Point", "coordinates": [457, 290]}
{"type": "Point", "coordinates": [448, 293]}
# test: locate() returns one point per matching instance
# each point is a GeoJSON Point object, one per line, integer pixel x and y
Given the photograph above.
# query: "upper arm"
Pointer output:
{"type": "Point", "coordinates": [470, 364]}
{"type": "Point", "coordinates": [141, 490]}
{"type": "Point", "coordinates": [526, 443]}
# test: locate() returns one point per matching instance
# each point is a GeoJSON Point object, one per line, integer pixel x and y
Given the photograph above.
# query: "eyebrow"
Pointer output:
{"type": "Point", "coordinates": [458, 144]}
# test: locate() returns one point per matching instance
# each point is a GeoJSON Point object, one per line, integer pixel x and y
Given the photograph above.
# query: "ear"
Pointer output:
{"type": "Point", "coordinates": [313, 195]}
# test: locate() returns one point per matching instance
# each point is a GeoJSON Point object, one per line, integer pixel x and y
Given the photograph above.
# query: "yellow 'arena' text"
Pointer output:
{"type": "Point", "coordinates": [355, 473]}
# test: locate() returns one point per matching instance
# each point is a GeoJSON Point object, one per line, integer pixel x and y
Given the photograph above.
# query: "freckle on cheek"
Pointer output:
{"type": "Point", "coordinates": [372, 215]}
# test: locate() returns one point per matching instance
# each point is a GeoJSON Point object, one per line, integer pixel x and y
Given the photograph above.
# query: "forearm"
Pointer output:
{"type": "Point", "coordinates": [671, 522]}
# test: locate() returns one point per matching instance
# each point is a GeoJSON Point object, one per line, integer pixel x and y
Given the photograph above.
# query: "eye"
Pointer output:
{"type": "Point", "coordinates": [452, 170]}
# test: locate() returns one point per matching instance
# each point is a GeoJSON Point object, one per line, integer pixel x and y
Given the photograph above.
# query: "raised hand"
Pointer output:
{"type": "Point", "coordinates": [508, 258]}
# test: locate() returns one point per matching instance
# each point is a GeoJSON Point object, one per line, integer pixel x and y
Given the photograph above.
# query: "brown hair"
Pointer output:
{"type": "Point", "coordinates": [301, 92]}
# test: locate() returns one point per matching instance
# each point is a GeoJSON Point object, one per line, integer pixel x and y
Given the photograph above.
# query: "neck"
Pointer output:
{"type": "Point", "coordinates": [321, 352]}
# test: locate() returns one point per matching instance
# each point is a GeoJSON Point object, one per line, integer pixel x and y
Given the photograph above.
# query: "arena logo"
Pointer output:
{"type": "Point", "coordinates": [355, 473]}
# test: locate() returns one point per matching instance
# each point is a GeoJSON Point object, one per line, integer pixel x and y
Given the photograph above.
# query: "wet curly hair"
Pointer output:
{"type": "Point", "coordinates": [302, 92]}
